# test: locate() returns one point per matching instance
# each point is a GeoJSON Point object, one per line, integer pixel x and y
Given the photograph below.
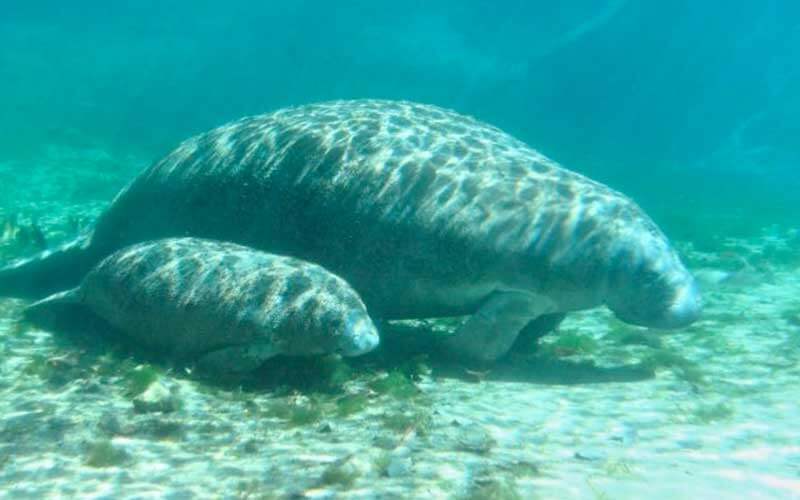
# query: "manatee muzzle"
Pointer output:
{"type": "Point", "coordinates": [360, 335]}
{"type": "Point", "coordinates": [684, 308]}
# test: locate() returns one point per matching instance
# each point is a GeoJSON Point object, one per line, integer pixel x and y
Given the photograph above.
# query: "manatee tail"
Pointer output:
{"type": "Point", "coordinates": [49, 271]}
{"type": "Point", "coordinates": [48, 312]}
{"type": "Point", "coordinates": [65, 313]}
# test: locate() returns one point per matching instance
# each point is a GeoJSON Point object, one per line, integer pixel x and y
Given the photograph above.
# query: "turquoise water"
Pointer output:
{"type": "Point", "coordinates": [691, 108]}
{"type": "Point", "coordinates": [660, 100]}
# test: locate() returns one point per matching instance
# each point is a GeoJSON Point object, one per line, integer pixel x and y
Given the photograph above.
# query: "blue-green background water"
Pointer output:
{"type": "Point", "coordinates": [690, 107]}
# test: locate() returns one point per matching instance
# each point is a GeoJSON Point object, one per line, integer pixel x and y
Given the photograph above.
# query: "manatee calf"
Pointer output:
{"type": "Point", "coordinates": [425, 212]}
{"type": "Point", "coordinates": [228, 306]}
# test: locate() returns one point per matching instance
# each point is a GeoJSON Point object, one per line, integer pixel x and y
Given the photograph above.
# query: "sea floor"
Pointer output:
{"type": "Point", "coordinates": [598, 410]}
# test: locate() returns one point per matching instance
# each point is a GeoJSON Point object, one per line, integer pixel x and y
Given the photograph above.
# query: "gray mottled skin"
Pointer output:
{"type": "Point", "coordinates": [231, 306]}
{"type": "Point", "coordinates": [424, 211]}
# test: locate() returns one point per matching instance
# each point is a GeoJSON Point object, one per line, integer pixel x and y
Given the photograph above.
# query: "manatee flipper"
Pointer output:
{"type": "Point", "coordinates": [237, 359]}
{"type": "Point", "coordinates": [491, 331]}
{"type": "Point", "coordinates": [529, 336]}
{"type": "Point", "coordinates": [48, 271]}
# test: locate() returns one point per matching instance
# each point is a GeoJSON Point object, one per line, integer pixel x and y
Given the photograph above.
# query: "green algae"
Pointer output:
{"type": "Point", "coordinates": [161, 430]}
{"type": "Point", "coordinates": [680, 366]}
{"type": "Point", "coordinates": [417, 420]}
{"type": "Point", "coordinates": [340, 473]}
{"type": "Point", "coordinates": [707, 414]}
{"type": "Point", "coordinates": [416, 367]}
{"type": "Point", "coordinates": [570, 344]}
{"type": "Point", "coordinates": [255, 489]}
{"type": "Point", "coordinates": [523, 468]}
{"type": "Point", "coordinates": [626, 335]}
{"type": "Point", "coordinates": [19, 238]}
{"type": "Point", "coordinates": [351, 404]}
{"type": "Point", "coordinates": [381, 463]}
{"type": "Point", "coordinates": [295, 411]}
{"type": "Point", "coordinates": [138, 379]}
{"type": "Point", "coordinates": [334, 372]}
{"type": "Point", "coordinates": [286, 374]}
{"type": "Point", "coordinates": [56, 371]}
{"type": "Point", "coordinates": [492, 488]}
{"type": "Point", "coordinates": [617, 468]}
{"type": "Point", "coordinates": [104, 454]}
{"type": "Point", "coordinates": [395, 384]}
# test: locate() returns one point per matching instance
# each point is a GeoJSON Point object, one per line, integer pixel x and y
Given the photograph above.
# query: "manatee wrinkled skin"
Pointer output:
{"type": "Point", "coordinates": [425, 212]}
{"type": "Point", "coordinates": [228, 306]}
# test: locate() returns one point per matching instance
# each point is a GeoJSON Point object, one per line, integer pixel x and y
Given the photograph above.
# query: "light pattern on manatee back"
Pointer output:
{"type": "Point", "coordinates": [204, 295]}
{"type": "Point", "coordinates": [455, 168]}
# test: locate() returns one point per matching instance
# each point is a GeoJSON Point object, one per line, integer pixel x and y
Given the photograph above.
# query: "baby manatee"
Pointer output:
{"type": "Point", "coordinates": [226, 306]}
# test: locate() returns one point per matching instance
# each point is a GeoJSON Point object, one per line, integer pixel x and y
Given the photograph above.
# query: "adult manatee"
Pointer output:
{"type": "Point", "coordinates": [425, 212]}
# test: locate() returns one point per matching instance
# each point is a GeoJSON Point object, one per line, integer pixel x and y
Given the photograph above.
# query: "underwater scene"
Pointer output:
{"type": "Point", "coordinates": [389, 250]}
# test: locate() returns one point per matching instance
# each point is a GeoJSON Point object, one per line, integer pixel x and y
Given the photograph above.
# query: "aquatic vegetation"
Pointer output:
{"type": "Point", "coordinates": [350, 404]}
{"type": "Point", "coordinates": [19, 238]}
{"type": "Point", "coordinates": [416, 367]}
{"type": "Point", "coordinates": [256, 490]}
{"type": "Point", "coordinates": [340, 473]}
{"type": "Point", "coordinates": [312, 374]}
{"type": "Point", "coordinates": [138, 379]}
{"type": "Point", "coordinates": [494, 488]}
{"type": "Point", "coordinates": [417, 420]}
{"type": "Point", "coordinates": [623, 334]}
{"type": "Point", "coordinates": [570, 344]}
{"type": "Point", "coordinates": [396, 385]}
{"type": "Point", "coordinates": [617, 468]}
{"type": "Point", "coordinates": [104, 454]}
{"type": "Point", "coordinates": [597, 492]}
{"type": "Point", "coordinates": [296, 411]}
{"type": "Point", "coordinates": [334, 372]}
{"type": "Point", "coordinates": [680, 366]}
{"type": "Point", "coordinates": [382, 462]}
{"type": "Point", "coordinates": [706, 414]}
{"type": "Point", "coordinates": [56, 370]}
{"type": "Point", "coordinates": [161, 429]}
{"type": "Point", "coordinates": [523, 468]}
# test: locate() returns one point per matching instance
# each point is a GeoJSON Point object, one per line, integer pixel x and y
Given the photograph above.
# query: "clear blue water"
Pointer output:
{"type": "Point", "coordinates": [690, 107]}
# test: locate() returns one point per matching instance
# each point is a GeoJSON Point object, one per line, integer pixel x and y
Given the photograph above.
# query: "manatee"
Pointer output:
{"type": "Point", "coordinates": [226, 306]}
{"type": "Point", "coordinates": [424, 211]}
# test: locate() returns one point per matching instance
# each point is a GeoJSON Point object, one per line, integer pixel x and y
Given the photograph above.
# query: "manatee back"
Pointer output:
{"type": "Point", "coordinates": [188, 296]}
{"type": "Point", "coordinates": [405, 201]}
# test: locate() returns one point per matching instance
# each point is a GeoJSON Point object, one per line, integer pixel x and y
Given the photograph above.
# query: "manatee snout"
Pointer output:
{"type": "Point", "coordinates": [360, 335]}
{"type": "Point", "coordinates": [685, 309]}
{"type": "Point", "coordinates": [658, 295]}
